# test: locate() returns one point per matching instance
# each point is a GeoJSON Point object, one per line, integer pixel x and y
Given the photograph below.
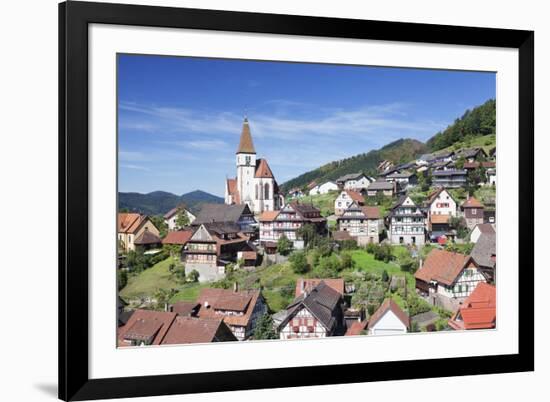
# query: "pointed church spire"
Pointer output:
{"type": "Point", "coordinates": [246, 146]}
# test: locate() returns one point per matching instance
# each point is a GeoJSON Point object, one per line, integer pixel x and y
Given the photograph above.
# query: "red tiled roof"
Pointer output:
{"type": "Point", "coordinates": [185, 308]}
{"type": "Point", "coordinates": [263, 170]}
{"type": "Point", "coordinates": [442, 266]}
{"type": "Point", "coordinates": [471, 202]}
{"type": "Point", "coordinates": [371, 212]}
{"type": "Point", "coordinates": [226, 299]}
{"type": "Point", "coordinates": [233, 190]}
{"type": "Point", "coordinates": [129, 222]}
{"type": "Point", "coordinates": [471, 165]}
{"type": "Point", "coordinates": [144, 324]}
{"type": "Point", "coordinates": [178, 237]}
{"type": "Point", "coordinates": [196, 330]}
{"type": "Point", "coordinates": [341, 235]}
{"type": "Point", "coordinates": [268, 216]}
{"type": "Point", "coordinates": [442, 218]}
{"type": "Point", "coordinates": [309, 284]}
{"type": "Point", "coordinates": [388, 305]}
{"type": "Point", "coordinates": [356, 328]}
{"type": "Point", "coordinates": [355, 196]}
{"type": "Point", "coordinates": [245, 144]}
{"type": "Point", "coordinates": [478, 311]}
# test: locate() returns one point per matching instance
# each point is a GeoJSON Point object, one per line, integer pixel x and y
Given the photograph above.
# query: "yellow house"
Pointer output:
{"type": "Point", "coordinates": [131, 226]}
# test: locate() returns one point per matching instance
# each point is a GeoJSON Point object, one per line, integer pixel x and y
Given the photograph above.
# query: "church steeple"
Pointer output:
{"type": "Point", "coordinates": [246, 146]}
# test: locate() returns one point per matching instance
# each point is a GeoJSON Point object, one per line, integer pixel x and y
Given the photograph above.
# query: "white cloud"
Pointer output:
{"type": "Point", "coordinates": [134, 167]}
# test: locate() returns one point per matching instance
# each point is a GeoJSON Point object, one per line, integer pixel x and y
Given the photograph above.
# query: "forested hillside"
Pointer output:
{"type": "Point", "coordinates": [160, 202]}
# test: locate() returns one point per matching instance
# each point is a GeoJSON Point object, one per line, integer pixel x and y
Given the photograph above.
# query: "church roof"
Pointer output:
{"type": "Point", "coordinates": [246, 145]}
{"type": "Point", "coordinates": [233, 190]}
{"type": "Point", "coordinates": [263, 169]}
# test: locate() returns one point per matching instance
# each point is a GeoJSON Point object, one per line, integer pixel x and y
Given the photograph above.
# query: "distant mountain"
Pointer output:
{"type": "Point", "coordinates": [398, 152]}
{"type": "Point", "coordinates": [160, 202]}
{"type": "Point", "coordinates": [477, 122]}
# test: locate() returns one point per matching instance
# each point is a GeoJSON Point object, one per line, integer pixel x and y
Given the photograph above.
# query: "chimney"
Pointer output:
{"type": "Point", "coordinates": [303, 285]}
{"type": "Point", "coordinates": [235, 287]}
{"type": "Point", "coordinates": [420, 263]}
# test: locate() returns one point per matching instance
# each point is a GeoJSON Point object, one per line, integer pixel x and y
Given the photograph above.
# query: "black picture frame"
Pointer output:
{"type": "Point", "coordinates": [74, 18]}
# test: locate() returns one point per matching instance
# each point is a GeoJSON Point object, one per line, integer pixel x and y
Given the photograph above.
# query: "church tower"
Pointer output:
{"type": "Point", "coordinates": [246, 166]}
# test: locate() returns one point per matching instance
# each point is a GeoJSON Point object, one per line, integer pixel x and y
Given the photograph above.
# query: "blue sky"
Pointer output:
{"type": "Point", "coordinates": [180, 118]}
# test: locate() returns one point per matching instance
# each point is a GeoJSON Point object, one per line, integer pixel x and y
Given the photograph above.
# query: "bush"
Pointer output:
{"type": "Point", "coordinates": [264, 328]}
{"type": "Point", "coordinates": [347, 261]}
{"type": "Point", "coordinates": [328, 267]}
{"type": "Point", "coordinates": [383, 252]}
{"type": "Point", "coordinates": [284, 246]}
{"type": "Point", "coordinates": [385, 276]}
{"type": "Point", "coordinates": [122, 278]}
{"type": "Point", "coordinates": [193, 276]}
{"type": "Point", "coordinates": [298, 262]}
{"type": "Point", "coordinates": [417, 305]}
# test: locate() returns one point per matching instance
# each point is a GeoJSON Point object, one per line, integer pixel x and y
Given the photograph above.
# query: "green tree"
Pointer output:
{"type": "Point", "coordinates": [193, 276]}
{"type": "Point", "coordinates": [122, 278]}
{"type": "Point", "coordinates": [347, 261]}
{"type": "Point", "coordinates": [284, 246]}
{"type": "Point", "coordinates": [385, 276]}
{"type": "Point", "coordinates": [298, 262]}
{"type": "Point", "coordinates": [265, 328]}
{"type": "Point", "coordinates": [383, 252]}
{"type": "Point", "coordinates": [182, 219]}
{"type": "Point", "coordinates": [160, 224]}
{"type": "Point", "coordinates": [459, 224]}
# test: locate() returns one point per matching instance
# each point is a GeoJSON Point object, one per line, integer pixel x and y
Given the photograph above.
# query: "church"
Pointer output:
{"type": "Point", "coordinates": [255, 184]}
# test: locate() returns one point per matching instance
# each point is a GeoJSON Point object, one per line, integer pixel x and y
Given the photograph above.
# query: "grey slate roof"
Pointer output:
{"type": "Point", "coordinates": [449, 172]}
{"type": "Point", "coordinates": [322, 302]}
{"type": "Point", "coordinates": [484, 249]}
{"type": "Point", "coordinates": [349, 176]}
{"type": "Point", "coordinates": [380, 185]}
{"type": "Point", "coordinates": [221, 213]}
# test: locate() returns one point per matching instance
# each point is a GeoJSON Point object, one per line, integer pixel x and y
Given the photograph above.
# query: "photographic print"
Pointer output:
{"type": "Point", "coordinates": [267, 200]}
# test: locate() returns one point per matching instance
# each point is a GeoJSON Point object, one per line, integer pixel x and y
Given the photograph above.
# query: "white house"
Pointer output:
{"type": "Point", "coordinates": [479, 229]}
{"type": "Point", "coordinates": [171, 217]}
{"type": "Point", "coordinates": [345, 199]}
{"type": "Point", "coordinates": [407, 223]}
{"type": "Point", "coordinates": [323, 188]}
{"type": "Point", "coordinates": [255, 184]}
{"type": "Point", "coordinates": [354, 181]}
{"type": "Point", "coordinates": [441, 203]}
{"type": "Point", "coordinates": [362, 222]}
{"type": "Point", "coordinates": [389, 319]}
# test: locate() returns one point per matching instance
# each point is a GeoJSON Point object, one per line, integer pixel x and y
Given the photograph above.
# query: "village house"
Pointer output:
{"type": "Point", "coordinates": [478, 311]}
{"type": "Point", "coordinates": [306, 285]}
{"type": "Point", "coordinates": [362, 222]}
{"type": "Point", "coordinates": [170, 218]}
{"type": "Point", "coordinates": [185, 308]}
{"type": "Point", "coordinates": [483, 228]}
{"type": "Point", "coordinates": [179, 238]}
{"type": "Point", "coordinates": [287, 222]}
{"type": "Point", "coordinates": [323, 188]}
{"type": "Point", "coordinates": [388, 319]}
{"type": "Point", "coordinates": [145, 327]}
{"type": "Point", "coordinates": [405, 179]}
{"type": "Point", "coordinates": [314, 314]}
{"type": "Point", "coordinates": [130, 227]}
{"type": "Point", "coordinates": [197, 330]}
{"type": "Point", "coordinates": [491, 174]}
{"type": "Point", "coordinates": [295, 193]}
{"type": "Point", "coordinates": [447, 278]}
{"type": "Point", "coordinates": [471, 154]}
{"type": "Point", "coordinates": [255, 184]}
{"type": "Point", "coordinates": [381, 187]}
{"type": "Point", "coordinates": [407, 223]}
{"type": "Point", "coordinates": [450, 178]}
{"type": "Point", "coordinates": [441, 207]}
{"type": "Point", "coordinates": [212, 247]}
{"type": "Point", "coordinates": [472, 210]}
{"type": "Point", "coordinates": [239, 310]}
{"type": "Point", "coordinates": [354, 181]}
{"type": "Point", "coordinates": [484, 254]}
{"type": "Point", "coordinates": [384, 166]}
{"type": "Point", "coordinates": [238, 214]}
{"type": "Point", "coordinates": [345, 199]}
{"type": "Point", "coordinates": [148, 241]}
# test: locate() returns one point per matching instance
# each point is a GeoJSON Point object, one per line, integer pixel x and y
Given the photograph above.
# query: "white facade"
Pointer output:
{"type": "Point", "coordinates": [303, 325]}
{"type": "Point", "coordinates": [358, 183]}
{"type": "Point", "coordinates": [464, 284]}
{"type": "Point", "coordinates": [388, 324]}
{"type": "Point", "coordinates": [443, 204]}
{"type": "Point", "coordinates": [323, 188]}
{"type": "Point", "coordinates": [342, 202]}
{"type": "Point", "coordinates": [171, 221]}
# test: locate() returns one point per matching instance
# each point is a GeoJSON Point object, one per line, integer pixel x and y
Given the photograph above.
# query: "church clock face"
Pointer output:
{"type": "Point", "coordinates": [247, 160]}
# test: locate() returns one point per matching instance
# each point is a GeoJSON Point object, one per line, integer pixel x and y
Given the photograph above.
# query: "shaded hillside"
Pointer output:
{"type": "Point", "coordinates": [160, 202]}
{"type": "Point", "coordinates": [399, 151]}
{"type": "Point", "coordinates": [477, 122]}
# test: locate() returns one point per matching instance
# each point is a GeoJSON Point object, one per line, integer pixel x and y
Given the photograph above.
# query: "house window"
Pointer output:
{"type": "Point", "coordinates": [247, 160]}
{"type": "Point", "coordinates": [401, 240]}
{"type": "Point", "coordinates": [266, 191]}
{"type": "Point", "coordinates": [474, 211]}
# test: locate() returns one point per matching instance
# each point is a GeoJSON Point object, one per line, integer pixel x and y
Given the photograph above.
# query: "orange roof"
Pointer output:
{"type": "Point", "coordinates": [442, 266]}
{"type": "Point", "coordinates": [471, 202]}
{"type": "Point", "coordinates": [178, 237]}
{"type": "Point", "coordinates": [245, 144]}
{"type": "Point", "coordinates": [371, 212]}
{"type": "Point", "coordinates": [478, 311]}
{"type": "Point", "coordinates": [144, 325]}
{"type": "Point", "coordinates": [309, 284]}
{"type": "Point", "coordinates": [212, 299]}
{"type": "Point", "coordinates": [263, 170]}
{"type": "Point", "coordinates": [443, 218]}
{"type": "Point", "coordinates": [355, 196]}
{"type": "Point", "coordinates": [233, 190]}
{"type": "Point", "coordinates": [268, 216]}
{"type": "Point", "coordinates": [388, 305]}
{"type": "Point", "coordinates": [129, 222]}
{"type": "Point", "coordinates": [356, 328]}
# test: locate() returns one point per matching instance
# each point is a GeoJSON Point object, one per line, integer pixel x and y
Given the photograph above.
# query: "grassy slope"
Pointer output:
{"type": "Point", "coordinates": [487, 142]}
{"type": "Point", "coordinates": [366, 262]}
{"type": "Point", "coordinates": [149, 281]}
{"type": "Point", "coordinates": [325, 202]}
